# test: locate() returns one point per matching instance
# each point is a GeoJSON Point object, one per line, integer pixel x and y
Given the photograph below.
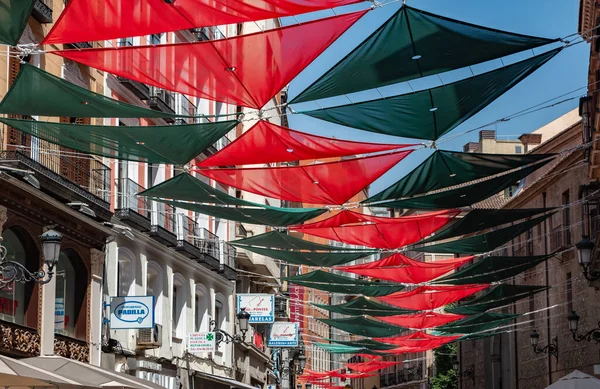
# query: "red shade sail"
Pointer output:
{"type": "Point", "coordinates": [380, 232]}
{"type": "Point", "coordinates": [267, 143]}
{"type": "Point", "coordinates": [431, 297]}
{"type": "Point", "coordinates": [422, 320]}
{"type": "Point", "coordinates": [112, 19]}
{"type": "Point", "coordinates": [245, 70]}
{"type": "Point", "coordinates": [419, 339]}
{"type": "Point", "coordinates": [371, 366]}
{"type": "Point", "coordinates": [400, 268]}
{"type": "Point", "coordinates": [312, 184]}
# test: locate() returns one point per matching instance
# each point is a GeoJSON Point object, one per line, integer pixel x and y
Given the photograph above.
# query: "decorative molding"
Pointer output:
{"type": "Point", "coordinates": [19, 340]}
{"type": "Point", "coordinates": [71, 348]}
{"type": "Point", "coordinates": [3, 218]}
{"type": "Point", "coordinates": [97, 262]}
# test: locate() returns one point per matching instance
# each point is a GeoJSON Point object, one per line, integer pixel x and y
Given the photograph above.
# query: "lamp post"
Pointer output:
{"type": "Point", "coordinates": [13, 271]}
{"type": "Point", "coordinates": [585, 248]}
{"type": "Point", "coordinates": [468, 373]}
{"type": "Point", "coordinates": [223, 336]}
{"type": "Point", "coordinates": [593, 334]}
{"type": "Point", "coordinates": [551, 348]}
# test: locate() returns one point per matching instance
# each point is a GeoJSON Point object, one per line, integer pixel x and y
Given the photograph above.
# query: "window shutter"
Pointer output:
{"type": "Point", "coordinates": [16, 138]}
{"type": "Point", "coordinates": [74, 165]}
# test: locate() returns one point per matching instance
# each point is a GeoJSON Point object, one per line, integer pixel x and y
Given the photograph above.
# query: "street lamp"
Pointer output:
{"type": "Point", "coordinates": [243, 320]}
{"type": "Point", "coordinates": [594, 333]}
{"type": "Point", "coordinates": [13, 271]}
{"type": "Point", "coordinates": [468, 373]}
{"type": "Point", "coordinates": [584, 253]}
{"type": "Point", "coordinates": [299, 386]}
{"type": "Point", "coordinates": [551, 348]}
{"type": "Point", "coordinates": [223, 336]}
{"type": "Point", "coordinates": [406, 365]}
{"type": "Point", "coordinates": [308, 385]}
{"type": "Point", "coordinates": [301, 362]}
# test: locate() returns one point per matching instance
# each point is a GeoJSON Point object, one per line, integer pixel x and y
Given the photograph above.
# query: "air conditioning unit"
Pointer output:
{"type": "Point", "coordinates": [148, 338]}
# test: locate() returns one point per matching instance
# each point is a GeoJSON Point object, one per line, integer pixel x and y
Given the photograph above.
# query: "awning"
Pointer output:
{"type": "Point", "coordinates": [230, 383]}
{"type": "Point", "coordinates": [19, 374]}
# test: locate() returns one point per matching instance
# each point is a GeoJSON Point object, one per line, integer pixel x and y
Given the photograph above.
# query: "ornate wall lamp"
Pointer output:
{"type": "Point", "coordinates": [551, 348]}
{"type": "Point", "coordinates": [585, 247]}
{"type": "Point", "coordinates": [467, 373]}
{"type": "Point", "coordinates": [593, 334]}
{"type": "Point", "coordinates": [223, 336]}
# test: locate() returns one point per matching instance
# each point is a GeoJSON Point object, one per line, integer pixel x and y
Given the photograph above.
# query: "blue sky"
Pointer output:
{"type": "Point", "coordinates": [547, 18]}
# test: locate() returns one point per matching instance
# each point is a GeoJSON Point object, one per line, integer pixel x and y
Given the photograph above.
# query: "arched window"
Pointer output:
{"type": "Point", "coordinates": [71, 287]}
{"type": "Point", "coordinates": [178, 308]}
{"type": "Point", "coordinates": [125, 273]}
{"type": "Point", "coordinates": [15, 299]}
{"type": "Point", "coordinates": [221, 309]}
{"type": "Point", "coordinates": [202, 306]}
{"type": "Point", "coordinates": [154, 287]}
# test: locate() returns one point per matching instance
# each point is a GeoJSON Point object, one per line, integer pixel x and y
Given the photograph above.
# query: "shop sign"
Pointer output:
{"type": "Point", "coordinates": [261, 307]}
{"type": "Point", "coordinates": [283, 334]}
{"type": "Point", "coordinates": [131, 312]}
{"type": "Point", "coordinates": [59, 314]}
{"type": "Point", "coordinates": [202, 342]}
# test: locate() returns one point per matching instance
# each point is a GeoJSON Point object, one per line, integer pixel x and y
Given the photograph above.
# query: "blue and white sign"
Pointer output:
{"type": "Point", "coordinates": [59, 314]}
{"type": "Point", "coordinates": [261, 307]}
{"type": "Point", "coordinates": [283, 334]}
{"type": "Point", "coordinates": [131, 312]}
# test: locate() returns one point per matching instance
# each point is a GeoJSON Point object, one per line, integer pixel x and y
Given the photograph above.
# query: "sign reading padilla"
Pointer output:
{"type": "Point", "coordinates": [202, 342]}
{"type": "Point", "coordinates": [131, 312]}
{"type": "Point", "coordinates": [283, 334]}
{"type": "Point", "coordinates": [261, 307]}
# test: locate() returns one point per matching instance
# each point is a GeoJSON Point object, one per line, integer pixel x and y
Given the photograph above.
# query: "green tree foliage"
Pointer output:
{"type": "Point", "coordinates": [445, 377]}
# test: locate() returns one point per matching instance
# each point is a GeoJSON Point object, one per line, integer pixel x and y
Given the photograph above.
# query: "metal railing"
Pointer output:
{"type": "Point", "coordinates": [127, 199]}
{"type": "Point", "coordinates": [227, 254]}
{"type": "Point", "coordinates": [165, 96]}
{"type": "Point", "coordinates": [163, 215]}
{"type": "Point", "coordinates": [240, 230]}
{"type": "Point", "coordinates": [207, 242]}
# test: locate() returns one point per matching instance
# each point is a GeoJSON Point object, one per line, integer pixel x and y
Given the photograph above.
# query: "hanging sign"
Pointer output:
{"type": "Point", "coordinates": [283, 334]}
{"type": "Point", "coordinates": [261, 307]}
{"type": "Point", "coordinates": [201, 342]}
{"type": "Point", "coordinates": [131, 312]}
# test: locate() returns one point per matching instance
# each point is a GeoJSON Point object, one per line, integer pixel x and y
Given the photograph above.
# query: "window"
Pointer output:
{"type": "Point", "coordinates": [124, 276]}
{"type": "Point", "coordinates": [202, 307]}
{"type": "Point", "coordinates": [71, 289]}
{"type": "Point", "coordinates": [569, 293]}
{"type": "Point", "coordinates": [155, 39]}
{"type": "Point", "coordinates": [530, 242]}
{"type": "Point", "coordinates": [154, 287]}
{"type": "Point", "coordinates": [178, 308]}
{"type": "Point", "coordinates": [531, 309]}
{"type": "Point", "coordinates": [518, 149]}
{"type": "Point", "coordinates": [566, 214]}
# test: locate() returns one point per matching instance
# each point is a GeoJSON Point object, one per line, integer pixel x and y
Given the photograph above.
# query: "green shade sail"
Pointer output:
{"type": "Point", "coordinates": [498, 296]}
{"type": "Point", "coordinates": [477, 323]}
{"type": "Point", "coordinates": [368, 344]}
{"type": "Point", "coordinates": [339, 348]}
{"type": "Point", "coordinates": [153, 144]}
{"type": "Point", "coordinates": [272, 216]}
{"type": "Point", "coordinates": [363, 306]}
{"type": "Point", "coordinates": [189, 188]}
{"type": "Point", "coordinates": [431, 113]}
{"type": "Point", "coordinates": [492, 269]}
{"type": "Point", "coordinates": [482, 243]}
{"type": "Point", "coordinates": [412, 44]}
{"type": "Point", "coordinates": [444, 169]}
{"type": "Point", "coordinates": [366, 327]}
{"type": "Point", "coordinates": [36, 92]}
{"type": "Point", "coordinates": [465, 195]}
{"type": "Point", "coordinates": [324, 259]}
{"type": "Point", "coordinates": [330, 282]}
{"type": "Point", "coordinates": [14, 15]}
{"type": "Point", "coordinates": [279, 240]}
{"type": "Point", "coordinates": [482, 219]}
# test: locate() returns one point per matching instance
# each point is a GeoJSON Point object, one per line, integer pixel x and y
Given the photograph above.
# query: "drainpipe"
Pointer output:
{"type": "Point", "coordinates": [549, 341]}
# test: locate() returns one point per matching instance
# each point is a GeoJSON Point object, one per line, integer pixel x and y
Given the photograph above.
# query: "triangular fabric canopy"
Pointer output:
{"type": "Point", "coordinates": [14, 15]}
{"type": "Point", "coordinates": [320, 259]}
{"type": "Point", "coordinates": [366, 343]}
{"type": "Point", "coordinates": [400, 268]}
{"type": "Point", "coordinates": [371, 366]}
{"type": "Point", "coordinates": [38, 93]}
{"type": "Point", "coordinates": [376, 231]}
{"type": "Point", "coordinates": [311, 184]}
{"type": "Point", "coordinates": [339, 349]}
{"type": "Point", "coordinates": [431, 113]}
{"type": "Point", "coordinates": [482, 219]}
{"type": "Point", "coordinates": [492, 269]}
{"type": "Point", "coordinates": [268, 143]}
{"type": "Point", "coordinates": [477, 323]}
{"type": "Point", "coordinates": [279, 240]}
{"type": "Point", "coordinates": [466, 194]}
{"type": "Point", "coordinates": [413, 44]}
{"type": "Point", "coordinates": [422, 320]}
{"type": "Point", "coordinates": [419, 339]}
{"type": "Point", "coordinates": [269, 216]}
{"type": "Point", "coordinates": [246, 70]}
{"type": "Point", "coordinates": [364, 326]}
{"type": "Point", "coordinates": [175, 145]}
{"type": "Point", "coordinates": [444, 169]}
{"type": "Point", "coordinates": [483, 243]}
{"type": "Point", "coordinates": [364, 306]}
{"type": "Point", "coordinates": [330, 282]}
{"type": "Point", "coordinates": [189, 188]}
{"type": "Point", "coordinates": [498, 296]}
{"type": "Point", "coordinates": [431, 297]}
{"type": "Point", "coordinates": [127, 18]}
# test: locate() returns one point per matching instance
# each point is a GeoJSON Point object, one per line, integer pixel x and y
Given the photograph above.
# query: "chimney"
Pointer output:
{"type": "Point", "coordinates": [487, 134]}
{"type": "Point", "coordinates": [530, 141]}
{"type": "Point", "coordinates": [471, 147]}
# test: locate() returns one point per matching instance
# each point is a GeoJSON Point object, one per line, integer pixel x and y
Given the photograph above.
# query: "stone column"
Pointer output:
{"type": "Point", "coordinates": [96, 306]}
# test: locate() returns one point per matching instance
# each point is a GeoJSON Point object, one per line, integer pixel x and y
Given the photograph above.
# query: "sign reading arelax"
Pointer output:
{"type": "Point", "coordinates": [131, 312]}
{"type": "Point", "coordinates": [201, 342]}
{"type": "Point", "coordinates": [261, 307]}
{"type": "Point", "coordinates": [283, 334]}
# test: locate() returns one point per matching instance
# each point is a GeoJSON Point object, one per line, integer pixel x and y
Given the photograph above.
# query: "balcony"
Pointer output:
{"type": "Point", "coordinates": [19, 341]}
{"type": "Point", "coordinates": [163, 224]}
{"type": "Point", "coordinates": [69, 179]}
{"type": "Point", "coordinates": [187, 109]}
{"type": "Point", "coordinates": [42, 11]}
{"type": "Point", "coordinates": [132, 210]}
{"type": "Point", "coordinates": [228, 262]}
{"type": "Point", "coordinates": [400, 377]}
{"type": "Point", "coordinates": [162, 100]}
{"type": "Point", "coordinates": [141, 91]}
